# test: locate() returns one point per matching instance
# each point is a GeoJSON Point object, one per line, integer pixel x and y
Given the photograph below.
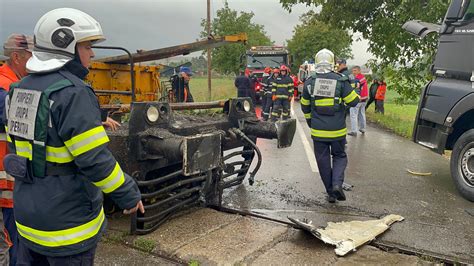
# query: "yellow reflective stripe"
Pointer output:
{"type": "Point", "coordinates": [87, 141]}
{"type": "Point", "coordinates": [304, 101]}
{"type": "Point", "coordinates": [281, 85]}
{"type": "Point", "coordinates": [282, 97]}
{"type": "Point", "coordinates": [63, 237]}
{"type": "Point", "coordinates": [307, 116]}
{"type": "Point", "coordinates": [351, 97]}
{"type": "Point", "coordinates": [324, 102]}
{"type": "Point", "coordinates": [24, 149]}
{"type": "Point", "coordinates": [8, 136]}
{"type": "Point", "coordinates": [53, 154]}
{"type": "Point", "coordinates": [58, 155]}
{"type": "Point", "coordinates": [328, 133]}
{"type": "Point", "coordinates": [112, 181]}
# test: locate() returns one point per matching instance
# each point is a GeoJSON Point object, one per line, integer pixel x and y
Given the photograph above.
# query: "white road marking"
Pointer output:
{"type": "Point", "coordinates": [307, 147]}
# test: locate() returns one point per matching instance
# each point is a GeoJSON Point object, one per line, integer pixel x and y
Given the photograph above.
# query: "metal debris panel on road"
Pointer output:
{"type": "Point", "coordinates": [348, 236]}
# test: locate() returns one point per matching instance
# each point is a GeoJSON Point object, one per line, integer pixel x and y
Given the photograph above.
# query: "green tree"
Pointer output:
{"type": "Point", "coordinates": [403, 58]}
{"type": "Point", "coordinates": [313, 35]}
{"type": "Point", "coordinates": [226, 59]}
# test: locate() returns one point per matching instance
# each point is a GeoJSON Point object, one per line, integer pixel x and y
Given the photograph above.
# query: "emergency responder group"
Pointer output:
{"type": "Point", "coordinates": [326, 96]}
{"type": "Point", "coordinates": [276, 93]}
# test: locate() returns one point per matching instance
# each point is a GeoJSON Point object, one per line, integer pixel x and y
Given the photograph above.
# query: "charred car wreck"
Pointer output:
{"type": "Point", "coordinates": [183, 160]}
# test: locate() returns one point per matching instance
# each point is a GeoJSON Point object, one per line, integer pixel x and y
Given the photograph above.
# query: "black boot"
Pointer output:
{"type": "Point", "coordinates": [331, 199]}
{"type": "Point", "coordinates": [339, 193]}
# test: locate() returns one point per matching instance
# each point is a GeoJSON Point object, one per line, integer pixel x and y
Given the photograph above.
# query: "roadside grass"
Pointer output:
{"type": "Point", "coordinates": [398, 118]}
{"type": "Point", "coordinates": [222, 89]}
{"type": "Point", "coordinates": [144, 244]}
{"type": "Point", "coordinates": [399, 114]}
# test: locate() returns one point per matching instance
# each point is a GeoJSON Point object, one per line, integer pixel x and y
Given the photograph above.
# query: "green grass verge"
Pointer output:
{"type": "Point", "coordinates": [398, 118]}
{"type": "Point", "coordinates": [222, 89]}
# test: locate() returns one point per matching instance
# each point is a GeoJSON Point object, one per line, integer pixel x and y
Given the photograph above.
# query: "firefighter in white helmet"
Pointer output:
{"type": "Point", "coordinates": [59, 155]}
{"type": "Point", "coordinates": [325, 96]}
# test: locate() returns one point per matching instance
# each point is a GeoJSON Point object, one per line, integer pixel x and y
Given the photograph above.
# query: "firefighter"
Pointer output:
{"type": "Point", "coordinates": [325, 95]}
{"type": "Point", "coordinates": [59, 155]}
{"type": "Point", "coordinates": [282, 91]}
{"type": "Point", "coordinates": [266, 93]}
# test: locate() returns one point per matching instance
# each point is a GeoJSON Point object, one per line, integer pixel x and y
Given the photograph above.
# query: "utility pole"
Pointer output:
{"type": "Point", "coordinates": [209, 51]}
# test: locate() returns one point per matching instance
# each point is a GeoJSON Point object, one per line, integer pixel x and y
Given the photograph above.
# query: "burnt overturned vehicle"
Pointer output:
{"type": "Point", "coordinates": [179, 155]}
{"type": "Point", "coordinates": [445, 117]}
{"type": "Point", "coordinates": [181, 160]}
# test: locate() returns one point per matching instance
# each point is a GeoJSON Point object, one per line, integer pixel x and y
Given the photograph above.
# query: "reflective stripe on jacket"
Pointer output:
{"type": "Point", "coordinates": [282, 86]}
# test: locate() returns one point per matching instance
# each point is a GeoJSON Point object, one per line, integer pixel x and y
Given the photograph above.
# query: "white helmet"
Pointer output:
{"type": "Point", "coordinates": [56, 35]}
{"type": "Point", "coordinates": [324, 61]}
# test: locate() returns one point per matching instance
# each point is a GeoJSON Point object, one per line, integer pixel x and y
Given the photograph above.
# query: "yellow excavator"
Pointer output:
{"type": "Point", "coordinates": [123, 79]}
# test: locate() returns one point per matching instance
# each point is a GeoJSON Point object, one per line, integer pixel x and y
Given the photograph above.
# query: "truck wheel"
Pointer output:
{"type": "Point", "coordinates": [462, 165]}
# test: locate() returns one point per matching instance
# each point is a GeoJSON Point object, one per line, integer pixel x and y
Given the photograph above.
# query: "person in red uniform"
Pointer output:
{"type": "Point", "coordinates": [380, 97]}
{"type": "Point", "coordinates": [18, 49]}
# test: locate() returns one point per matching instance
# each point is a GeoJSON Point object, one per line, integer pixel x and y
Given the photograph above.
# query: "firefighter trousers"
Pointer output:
{"type": "Point", "coordinates": [332, 161]}
{"type": "Point", "coordinates": [281, 107]}
{"type": "Point", "coordinates": [266, 105]}
{"type": "Point", "coordinates": [27, 256]}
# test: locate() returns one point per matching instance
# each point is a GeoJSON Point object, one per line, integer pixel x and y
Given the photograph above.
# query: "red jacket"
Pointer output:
{"type": "Point", "coordinates": [7, 76]}
{"type": "Point", "coordinates": [364, 90]}
{"type": "Point", "coordinates": [381, 90]}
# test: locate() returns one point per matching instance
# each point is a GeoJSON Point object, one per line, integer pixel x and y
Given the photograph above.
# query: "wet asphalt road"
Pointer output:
{"type": "Point", "coordinates": [436, 221]}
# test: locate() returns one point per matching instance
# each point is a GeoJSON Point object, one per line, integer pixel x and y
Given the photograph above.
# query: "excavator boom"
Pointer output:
{"type": "Point", "coordinates": [183, 49]}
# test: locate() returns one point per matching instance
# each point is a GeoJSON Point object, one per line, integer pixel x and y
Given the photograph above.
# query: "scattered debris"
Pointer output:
{"type": "Point", "coordinates": [347, 186]}
{"type": "Point", "coordinates": [348, 236]}
{"type": "Point", "coordinates": [419, 173]}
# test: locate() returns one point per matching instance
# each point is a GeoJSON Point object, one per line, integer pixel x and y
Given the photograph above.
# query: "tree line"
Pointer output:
{"type": "Point", "coordinates": [400, 57]}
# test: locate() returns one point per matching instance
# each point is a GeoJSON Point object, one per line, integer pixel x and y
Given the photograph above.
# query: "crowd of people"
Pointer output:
{"type": "Point", "coordinates": [329, 94]}
{"type": "Point", "coordinates": [277, 90]}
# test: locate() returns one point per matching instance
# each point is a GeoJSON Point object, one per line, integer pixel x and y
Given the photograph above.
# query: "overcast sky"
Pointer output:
{"type": "Point", "coordinates": [151, 24]}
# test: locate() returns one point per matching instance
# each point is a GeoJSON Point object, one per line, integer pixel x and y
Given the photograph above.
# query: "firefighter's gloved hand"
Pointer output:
{"type": "Point", "coordinates": [274, 97]}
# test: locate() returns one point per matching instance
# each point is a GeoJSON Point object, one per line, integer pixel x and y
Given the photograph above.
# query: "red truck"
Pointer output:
{"type": "Point", "coordinates": [260, 57]}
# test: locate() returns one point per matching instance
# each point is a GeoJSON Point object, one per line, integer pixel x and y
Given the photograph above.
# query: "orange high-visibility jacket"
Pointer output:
{"type": "Point", "coordinates": [7, 76]}
{"type": "Point", "coordinates": [381, 90]}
